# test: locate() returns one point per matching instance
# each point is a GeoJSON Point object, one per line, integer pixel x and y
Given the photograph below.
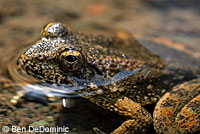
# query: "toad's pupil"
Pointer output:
{"type": "Point", "coordinates": [71, 58]}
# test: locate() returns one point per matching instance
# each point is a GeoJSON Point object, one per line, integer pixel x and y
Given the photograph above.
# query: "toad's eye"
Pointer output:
{"type": "Point", "coordinates": [71, 60]}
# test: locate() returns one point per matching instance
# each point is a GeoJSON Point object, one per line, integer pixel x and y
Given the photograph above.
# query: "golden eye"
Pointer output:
{"type": "Point", "coordinates": [71, 60]}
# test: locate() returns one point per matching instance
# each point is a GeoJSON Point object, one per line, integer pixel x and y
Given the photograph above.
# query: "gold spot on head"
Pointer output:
{"type": "Point", "coordinates": [45, 29]}
{"type": "Point", "coordinates": [54, 29]}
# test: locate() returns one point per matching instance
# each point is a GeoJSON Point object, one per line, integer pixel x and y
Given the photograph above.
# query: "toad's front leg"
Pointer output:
{"type": "Point", "coordinates": [140, 119]}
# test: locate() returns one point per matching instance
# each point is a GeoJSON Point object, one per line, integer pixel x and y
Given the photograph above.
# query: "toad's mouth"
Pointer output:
{"type": "Point", "coordinates": [70, 91]}
{"type": "Point", "coordinates": [33, 86]}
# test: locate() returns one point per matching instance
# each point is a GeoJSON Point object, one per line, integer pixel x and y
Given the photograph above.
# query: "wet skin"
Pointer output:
{"type": "Point", "coordinates": [116, 73]}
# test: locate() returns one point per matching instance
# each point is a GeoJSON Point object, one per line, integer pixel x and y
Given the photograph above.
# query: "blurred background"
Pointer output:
{"type": "Point", "coordinates": [170, 24]}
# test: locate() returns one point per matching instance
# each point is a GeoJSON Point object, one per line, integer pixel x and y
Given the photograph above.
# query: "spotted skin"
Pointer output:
{"type": "Point", "coordinates": [115, 72]}
{"type": "Point", "coordinates": [138, 116]}
{"type": "Point", "coordinates": [178, 111]}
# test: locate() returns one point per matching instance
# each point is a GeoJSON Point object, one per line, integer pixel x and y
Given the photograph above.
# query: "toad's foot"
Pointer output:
{"type": "Point", "coordinates": [179, 110]}
{"type": "Point", "coordinates": [140, 119]}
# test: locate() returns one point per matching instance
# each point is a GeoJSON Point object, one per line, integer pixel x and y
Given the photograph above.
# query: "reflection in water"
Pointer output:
{"type": "Point", "coordinates": [36, 90]}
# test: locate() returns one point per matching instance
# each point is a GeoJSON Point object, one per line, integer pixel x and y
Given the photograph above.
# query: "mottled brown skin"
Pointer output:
{"type": "Point", "coordinates": [178, 111]}
{"type": "Point", "coordinates": [116, 73]}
